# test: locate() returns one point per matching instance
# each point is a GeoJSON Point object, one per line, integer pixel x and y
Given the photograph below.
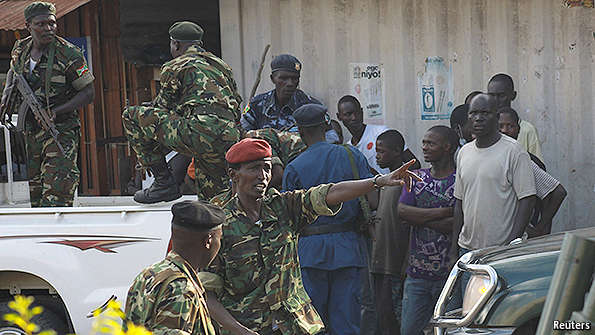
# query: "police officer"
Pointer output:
{"type": "Point", "coordinates": [196, 114]}
{"type": "Point", "coordinates": [255, 283]}
{"type": "Point", "coordinates": [274, 109]}
{"type": "Point", "coordinates": [168, 295]}
{"type": "Point", "coordinates": [57, 73]}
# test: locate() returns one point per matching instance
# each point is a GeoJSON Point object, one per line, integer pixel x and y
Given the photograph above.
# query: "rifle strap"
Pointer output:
{"type": "Point", "coordinates": [362, 199]}
{"type": "Point", "coordinates": [48, 74]}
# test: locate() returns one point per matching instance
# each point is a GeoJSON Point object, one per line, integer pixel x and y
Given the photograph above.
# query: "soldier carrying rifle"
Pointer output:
{"type": "Point", "coordinates": [56, 83]}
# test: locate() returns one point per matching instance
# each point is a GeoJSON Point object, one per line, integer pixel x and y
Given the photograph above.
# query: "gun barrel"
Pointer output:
{"type": "Point", "coordinates": [41, 114]}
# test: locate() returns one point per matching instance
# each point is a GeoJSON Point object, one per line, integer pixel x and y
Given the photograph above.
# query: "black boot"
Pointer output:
{"type": "Point", "coordinates": [164, 188]}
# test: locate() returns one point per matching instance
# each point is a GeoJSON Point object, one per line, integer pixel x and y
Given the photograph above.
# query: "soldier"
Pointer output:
{"type": "Point", "coordinates": [196, 113]}
{"type": "Point", "coordinates": [57, 73]}
{"type": "Point", "coordinates": [168, 295]}
{"type": "Point", "coordinates": [285, 146]}
{"type": "Point", "coordinates": [273, 109]}
{"type": "Point", "coordinates": [255, 283]}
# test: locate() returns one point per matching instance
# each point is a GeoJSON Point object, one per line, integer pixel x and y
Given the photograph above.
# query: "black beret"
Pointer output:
{"type": "Point", "coordinates": [185, 31]}
{"type": "Point", "coordinates": [39, 8]}
{"type": "Point", "coordinates": [197, 215]}
{"type": "Point", "coordinates": [310, 115]}
{"type": "Point", "coordinates": [287, 63]}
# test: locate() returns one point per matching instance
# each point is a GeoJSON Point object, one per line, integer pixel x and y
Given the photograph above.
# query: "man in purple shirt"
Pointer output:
{"type": "Point", "coordinates": [428, 208]}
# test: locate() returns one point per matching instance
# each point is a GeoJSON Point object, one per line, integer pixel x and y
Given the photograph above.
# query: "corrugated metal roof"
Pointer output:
{"type": "Point", "coordinates": [13, 18]}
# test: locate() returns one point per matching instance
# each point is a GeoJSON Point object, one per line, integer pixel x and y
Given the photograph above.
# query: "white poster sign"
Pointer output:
{"type": "Point", "coordinates": [436, 90]}
{"type": "Point", "coordinates": [367, 85]}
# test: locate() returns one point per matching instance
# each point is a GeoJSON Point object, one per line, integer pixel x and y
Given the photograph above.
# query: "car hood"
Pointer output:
{"type": "Point", "coordinates": [544, 244]}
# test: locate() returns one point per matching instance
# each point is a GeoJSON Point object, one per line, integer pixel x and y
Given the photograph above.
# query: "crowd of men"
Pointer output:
{"type": "Point", "coordinates": [295, 232]}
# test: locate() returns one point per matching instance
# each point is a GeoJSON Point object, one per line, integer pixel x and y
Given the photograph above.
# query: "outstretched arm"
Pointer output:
{"type": "Point", "coordinates": [351, 189]}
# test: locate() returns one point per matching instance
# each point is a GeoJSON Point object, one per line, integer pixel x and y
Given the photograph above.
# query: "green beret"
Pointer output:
{"type": "Point", "coordinates": [197, 215]}
{"type": "Point", "coordinates": [185, 31]}
{"type": "Point", "coordinates": [39, 8]}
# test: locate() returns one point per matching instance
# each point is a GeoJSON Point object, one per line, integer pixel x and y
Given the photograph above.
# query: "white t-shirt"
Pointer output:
{"type": "Point", "coordinates": [490, 182]}
{"type": "Point", "coordinates": [544, 182]}
{"type": "Point", "coordinates": [367, 145]}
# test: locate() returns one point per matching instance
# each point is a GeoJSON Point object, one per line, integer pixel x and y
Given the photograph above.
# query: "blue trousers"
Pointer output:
{"type": "Point", "coordinates": [419, 298]}
{"type": "Point", "coordinates": [336, 296]}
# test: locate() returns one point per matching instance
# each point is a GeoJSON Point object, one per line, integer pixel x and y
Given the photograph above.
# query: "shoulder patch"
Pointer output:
{"type": "Point", "coordinates": [246, 109]}
{"type": "Point", "coordinates": [82, 70]}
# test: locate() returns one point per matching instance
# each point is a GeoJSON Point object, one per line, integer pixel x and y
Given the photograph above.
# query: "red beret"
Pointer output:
{"type": "Point", "coordinates": [248, 150]}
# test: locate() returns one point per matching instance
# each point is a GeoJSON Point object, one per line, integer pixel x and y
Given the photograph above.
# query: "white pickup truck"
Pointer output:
{"type": "Point", "coordinates": [73, 260]}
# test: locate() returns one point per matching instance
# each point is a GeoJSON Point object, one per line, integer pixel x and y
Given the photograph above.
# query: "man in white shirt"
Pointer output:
{"type": "Point", "coordinates": [495, 186]}
{"type": "Point", "coordinates": [364, 136]}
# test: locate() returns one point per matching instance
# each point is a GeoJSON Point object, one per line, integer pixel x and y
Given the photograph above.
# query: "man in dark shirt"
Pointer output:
{"type": "Point", "coordinates": [332, 254]}
{"type": "Point", "coordinates": [273, 109]}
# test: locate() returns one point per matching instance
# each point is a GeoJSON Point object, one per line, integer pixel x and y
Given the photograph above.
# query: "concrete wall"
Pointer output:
{"type": "Point", "coordinates": [547, 48]}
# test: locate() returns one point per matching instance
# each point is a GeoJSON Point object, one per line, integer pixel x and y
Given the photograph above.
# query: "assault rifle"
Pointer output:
{"type": "Point", "coordinates": [29, 103]}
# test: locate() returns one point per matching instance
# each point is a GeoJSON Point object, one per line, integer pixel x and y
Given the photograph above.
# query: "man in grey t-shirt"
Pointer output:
{"type": "Point", "coordinates": [495, 187]}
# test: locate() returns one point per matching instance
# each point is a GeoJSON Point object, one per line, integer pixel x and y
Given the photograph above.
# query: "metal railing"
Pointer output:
{"type": "Point", "coordinates": [10, 195]}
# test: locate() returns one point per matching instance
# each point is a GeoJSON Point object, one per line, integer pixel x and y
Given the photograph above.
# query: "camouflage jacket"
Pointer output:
{"type": "Point", "coordinates": [263, 111]}
{"type": "Point", "coordinates": [168, 298]}
{"type": "Point", "coordinates": [285, 145]}
{"type": "Point", "coordinates": [70, 74]}
{"type": "Point", "coordinates": [257, 268]}
{"type": "Point", "coordinates": [198, 82]}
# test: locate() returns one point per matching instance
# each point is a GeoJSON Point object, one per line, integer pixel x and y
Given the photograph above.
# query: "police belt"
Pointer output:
{"type": "Point", "coordinates": [217, 110]}
{"type": "Point", "coordinates": [328, 229]}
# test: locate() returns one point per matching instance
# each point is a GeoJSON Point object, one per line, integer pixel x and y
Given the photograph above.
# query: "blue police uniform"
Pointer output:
{"type": "Point", "coordinates": [331, 263]}
{"type": "Point", "coordinates": [263, 111]}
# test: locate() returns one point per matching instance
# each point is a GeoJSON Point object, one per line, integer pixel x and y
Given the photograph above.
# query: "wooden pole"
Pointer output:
{"type": "Point", "coordinates": [258, 74]}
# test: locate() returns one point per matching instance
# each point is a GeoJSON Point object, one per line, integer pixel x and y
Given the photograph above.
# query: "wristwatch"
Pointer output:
{"type": "Point", "coordinates": [375, 181]}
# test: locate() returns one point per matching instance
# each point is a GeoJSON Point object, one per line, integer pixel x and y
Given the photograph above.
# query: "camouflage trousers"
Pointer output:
{"type": "Point", "coordinates": [152, 131]}
{"type": "Point", "coordinates": [53, 177]}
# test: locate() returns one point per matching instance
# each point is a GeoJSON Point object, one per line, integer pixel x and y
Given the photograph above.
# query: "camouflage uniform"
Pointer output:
{"type": "Point", "coordinates": [256, 274]}
{"type": "Point", "coordinates": [285, 145]}
{"type": "Point", "coordinates": [196, 114]}
{"type": "Point", "coordinates": [264, 112]}
{"type": "Point", "coordinates": [53, 177]}
{"type": "Point", "coordinates": [169, 296]}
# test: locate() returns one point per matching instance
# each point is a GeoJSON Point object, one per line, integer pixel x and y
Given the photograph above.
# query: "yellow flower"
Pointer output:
{"type": "Point", "coordinates": [136, 330]}
{"type": "Point", "coordinates": [106, 323]}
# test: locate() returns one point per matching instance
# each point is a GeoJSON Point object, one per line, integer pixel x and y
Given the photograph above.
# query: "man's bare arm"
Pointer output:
{"type": "Point", "coordinates": [550, 204]}
{"type": "Point", "coordinates": [351, 189]}
{"type": "Point", "coordinates": [444, 225]}
{"type": "Point", "coordinates": [417, 215]}
{"type": "Point", "coordinates": [226, 320]}
{"type": "Point", "coordinates": [525, 207]}
{"type": "Point", "coordinates": [457, 226]}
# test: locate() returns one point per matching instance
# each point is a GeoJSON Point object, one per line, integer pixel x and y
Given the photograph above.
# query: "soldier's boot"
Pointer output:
{"type": "Point", "coordinates": [164, 188]}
